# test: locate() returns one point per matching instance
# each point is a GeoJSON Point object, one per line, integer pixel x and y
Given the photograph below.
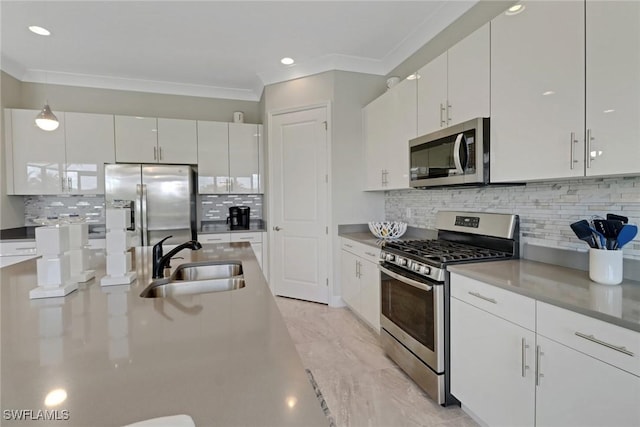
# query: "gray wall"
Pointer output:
{"type": "Point", "coordinates": [108, 101]}
{"type": "Point", "coordinates": [11, 207]}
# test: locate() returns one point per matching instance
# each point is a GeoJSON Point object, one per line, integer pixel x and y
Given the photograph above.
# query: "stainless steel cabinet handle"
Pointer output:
{"type": "Point", "coordinates": [574, 141]}
{"type": "Point", "coordinates": [477, 295]}
{"type": "Point", "coordinates": [70, 184]}
{"type": "Point", "coordinates": [358, 269]}
{"type": "Point", "coordinates": [155, 153]}
{"type": "Point", "coordinates": [62, 183]}
{"type": "Point", "coordinates": [538, 373]}
{"type": "Point", "coordinates": [159, 153]}
{"type": "Point", "coordinates": [448, 113]}
{"type": "Point", "coordinates": [276, 228]}
{"type": "Point", "coordinates": [246, 238]}
{"type": "Point", "coordinates": [442, 110]}
{"type": "Point", "coordinates": [588, 153]}
{"type": "Point", "coordinates": [524, 358]}
{"type": "Point", "coordinates": [231, 185]}
{"type": "Point", "coordinates": [591, 338]}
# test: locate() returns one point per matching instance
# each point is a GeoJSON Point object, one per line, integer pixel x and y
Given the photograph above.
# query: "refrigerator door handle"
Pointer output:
{"type": "Point", "coordinates": [145, 218]}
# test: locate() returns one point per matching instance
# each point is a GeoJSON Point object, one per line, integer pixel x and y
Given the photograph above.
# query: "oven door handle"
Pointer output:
{"type": "Point", "coordinates": [406, 280]}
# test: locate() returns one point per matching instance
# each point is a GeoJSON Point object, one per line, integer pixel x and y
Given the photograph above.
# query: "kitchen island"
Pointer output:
{"type": "Point", "coordinates": [222, 358]}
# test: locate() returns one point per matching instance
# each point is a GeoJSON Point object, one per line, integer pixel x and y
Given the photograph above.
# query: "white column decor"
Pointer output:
{"type": "Point", "coordinates": [118, 245]}
{"type": "Point", "coordinates": [54, 272]}
{"type": "Point", "coordinates": [79, 254]}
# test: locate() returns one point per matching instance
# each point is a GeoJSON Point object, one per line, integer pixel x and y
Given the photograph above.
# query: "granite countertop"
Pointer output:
{"type": "Point", "coordinates": [222, 358]}
{"type": "Point", "coordinates": [564, 287]}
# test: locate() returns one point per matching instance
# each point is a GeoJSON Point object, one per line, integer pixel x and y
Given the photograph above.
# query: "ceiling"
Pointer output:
{"type": "Point", "coordinates": [220, 49]}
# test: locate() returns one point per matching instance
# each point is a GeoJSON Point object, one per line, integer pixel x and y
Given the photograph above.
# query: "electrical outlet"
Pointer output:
{"type": "Point", "coordinates": [408, 215]}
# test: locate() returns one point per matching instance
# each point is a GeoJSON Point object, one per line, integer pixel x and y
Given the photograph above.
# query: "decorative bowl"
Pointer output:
{"type": "Point", "coordinates": [387, 230]}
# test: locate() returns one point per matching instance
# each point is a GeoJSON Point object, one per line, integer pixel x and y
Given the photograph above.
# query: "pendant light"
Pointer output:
{"type": "Point", "coordinates": [46, 120]}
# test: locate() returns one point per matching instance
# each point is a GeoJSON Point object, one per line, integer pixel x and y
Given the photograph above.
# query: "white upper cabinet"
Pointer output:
{"type": "Point", "coordinates": [177, 141]}
{"type": "Point", "coordinates": [432, 96]}
{"type": "Point", "coordinates": [389, 124]}
{"type": "Point", "coordinates": [454, 87]}
{"type": "Point", "coordinates": [537, 92]}
{"type": "Point", "coordinates": [613, 87]}
{"type": "Point", "coordinates": [213, 157]}
{"type": "Point", "coordinates": [468, 77]}
{"type": "Point", "coordinates": [136, 139]}
{"type": "Point", "coordinates": [244, 158]}
{"type": "Point", "coordinates": [89, 145]}
{"type": "Point", "coordinates": [229, 158]}
{"type": "Point", "coordinates": [35, 158]}
{"type": "Point", "coordinates": [68, 160]}
{"type": "Point", "coordinates": [151, 140]}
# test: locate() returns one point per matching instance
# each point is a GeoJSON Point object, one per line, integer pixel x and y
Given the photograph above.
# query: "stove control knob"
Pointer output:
{"type": "Point", "coordinates": [416, 267]}
{"type": "Point", "coordinates": [401, 261]}
{"type": "Point", "coordinates": [389, 257]}
{"type": "Point", "coordinates": [426, 270]}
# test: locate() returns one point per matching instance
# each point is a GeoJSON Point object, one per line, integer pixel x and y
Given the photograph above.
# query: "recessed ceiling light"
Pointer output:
{"type": "Point", "coordinates": [287, 61]}
{"type": "Point", "coordinates": [608, 111]}
{"type": "Point", "coordinates": [39, 30]}
{"type": "Point", "coordinates": [413, 76]}
{"type": "Point", "coordinates": [515, 9]}
{"type": "Point", "coordinates": [547, 93]}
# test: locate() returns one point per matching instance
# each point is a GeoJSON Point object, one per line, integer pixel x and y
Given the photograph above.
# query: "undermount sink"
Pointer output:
{"type": "Point", "coordinates": [206, 270]}
{"type": "Point", "coordinates": [169, 288]}
{"type": "Point", "coordinates": [198, 278]}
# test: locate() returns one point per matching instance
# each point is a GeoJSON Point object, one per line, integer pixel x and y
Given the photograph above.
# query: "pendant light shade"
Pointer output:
{"type": "Point", "coordinates": [46, 120]}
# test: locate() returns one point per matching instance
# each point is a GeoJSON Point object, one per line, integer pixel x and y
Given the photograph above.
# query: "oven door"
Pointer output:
{"type": "Point", "coordinates": [413, 313]}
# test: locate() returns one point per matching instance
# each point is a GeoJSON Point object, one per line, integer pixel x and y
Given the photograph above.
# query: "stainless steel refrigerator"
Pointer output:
{"type": "Point", "coordinates": [163, 199]}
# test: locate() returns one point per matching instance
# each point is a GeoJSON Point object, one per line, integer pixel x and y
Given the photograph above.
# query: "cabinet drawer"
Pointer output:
{"type": "Point", "coordinates": [246, 237]}
{"type": "Point", "coordinates": [515, 308]}
{"type": "Point", "coordinates": [610, 343]}
{"type": "Point", "coordinates": [19, 247]}
{"type": "Point", "coordinates": [366, 252]}
{"type": "Point", "coordinates": [214, 238]}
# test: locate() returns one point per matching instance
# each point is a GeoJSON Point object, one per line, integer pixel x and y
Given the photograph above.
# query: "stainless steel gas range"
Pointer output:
{"type": "Point", "coordinates": [415, 290]}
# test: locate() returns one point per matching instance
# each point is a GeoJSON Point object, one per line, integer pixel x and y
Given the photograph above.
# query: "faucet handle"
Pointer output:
{"type": "Point", "coordinates": [157, 249]}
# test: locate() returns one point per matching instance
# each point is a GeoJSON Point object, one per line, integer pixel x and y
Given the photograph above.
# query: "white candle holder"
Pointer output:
{"type": "Point", "coordinates": [53, 267]}
{"type": "Point", "coordinates": [117, 247]}
{"type": "Point", "coordinates": [78, 253]}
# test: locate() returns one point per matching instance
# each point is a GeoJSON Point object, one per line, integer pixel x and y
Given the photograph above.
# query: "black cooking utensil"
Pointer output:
{"type": "Point", "coordinates": [608, 230]}
{"type": "Point", "coordinates": [615, 217]}
{"type": "Point", "coordinates": [583, 232]}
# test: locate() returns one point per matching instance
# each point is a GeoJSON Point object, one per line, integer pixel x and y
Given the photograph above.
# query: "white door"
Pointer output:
{"type": "Point", "coordinates": [299, 204]}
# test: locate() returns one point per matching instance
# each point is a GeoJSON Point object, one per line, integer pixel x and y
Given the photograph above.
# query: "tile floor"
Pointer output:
{"type": "Point", "coordinates": [361, 386]}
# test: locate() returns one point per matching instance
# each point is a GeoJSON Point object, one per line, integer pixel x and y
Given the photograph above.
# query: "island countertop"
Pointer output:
{"type": "Point", "coordinates": [222, 358]}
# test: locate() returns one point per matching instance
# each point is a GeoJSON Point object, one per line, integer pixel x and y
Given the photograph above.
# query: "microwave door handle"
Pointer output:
{"type": "Point", "coordinates": [456, 154]}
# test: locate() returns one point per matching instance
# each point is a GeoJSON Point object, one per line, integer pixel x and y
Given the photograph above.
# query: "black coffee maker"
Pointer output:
{"type": "Point", "coordinates": [238, 217]}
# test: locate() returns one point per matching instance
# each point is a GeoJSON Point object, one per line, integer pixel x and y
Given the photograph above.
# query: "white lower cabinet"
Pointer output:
{"type": "Point", "coordinates": [490, 353]}
{"type": "Point", "coordinates": [253, 237]}
{"type": "Point", "coordinates": [360, 280]}
{"type": "Point", "coordinates": [556, 375]}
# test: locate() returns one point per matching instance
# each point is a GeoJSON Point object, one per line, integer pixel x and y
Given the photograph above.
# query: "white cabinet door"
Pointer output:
{"type": "Point", "coordinates": [577, 390]}
{"type": "Point", "coordinates": [38, 155]}
{"type": "Point", "coordinates": [370, 293]}
{"type": "Point", "coordinates": [89, 145]}
{"type": "Point", "coordinates": [492, 357]}
{"type": "Point", "coordinates": [537, 92]}
{"type": "Point", "coordinates": [177, 142]}
{"type": "Point", "coordinates": [349, 279]}
{"type": "Point", "coordinates": [390, 122]}
{"type": "Point", "coordinates": [432, 96]}
{"type": "Point", "coordinates": [468, 78]}
{"type": "Point", "coordinates": [244, 158]}
{"type": "Point", "coordinates": [136, 139]}
{"type": "Point", "coordinates": [613, 86]}
{"type": "Point", "coordinates": [213, 157]}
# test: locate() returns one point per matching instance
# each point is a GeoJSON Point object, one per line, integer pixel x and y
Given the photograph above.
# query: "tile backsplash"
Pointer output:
{"type": "Point", "coordinates": [89, 207]}
{"type": "Point", "coordinates": [545, 209]}
{"type": "Point", "coordinates": [215, 207]}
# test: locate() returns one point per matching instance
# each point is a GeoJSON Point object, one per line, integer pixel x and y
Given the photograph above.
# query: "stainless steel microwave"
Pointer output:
{"type": "Point", "coordinates": [457, 155]}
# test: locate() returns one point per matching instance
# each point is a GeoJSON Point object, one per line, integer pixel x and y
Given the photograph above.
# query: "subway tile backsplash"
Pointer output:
{"type": "Point", "coordinates": [89, 207]}
{"type": "Point", "coordinates": [545, 209]}
{"type": "Point", "coordinates": [215, 207]}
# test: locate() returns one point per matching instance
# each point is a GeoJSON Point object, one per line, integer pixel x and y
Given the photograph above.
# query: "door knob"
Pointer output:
{"type": "Point", "coordinates": [276, 228]}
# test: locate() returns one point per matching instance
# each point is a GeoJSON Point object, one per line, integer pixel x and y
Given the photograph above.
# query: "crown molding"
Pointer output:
{"type": "Point", "coordinates": [11, 67]}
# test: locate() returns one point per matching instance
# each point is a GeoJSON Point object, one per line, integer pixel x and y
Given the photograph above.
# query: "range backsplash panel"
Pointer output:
{"type": "Point", "coordinates": [215, 207]}
{"type": "Point", "coordinates": [545, 209]}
